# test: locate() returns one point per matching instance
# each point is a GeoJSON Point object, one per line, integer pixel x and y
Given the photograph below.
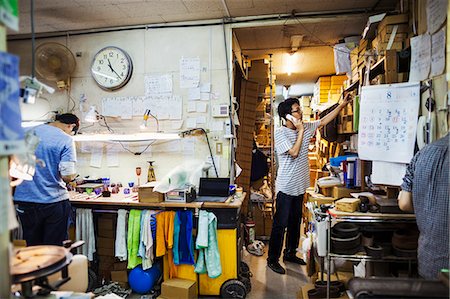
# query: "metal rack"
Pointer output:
{"type": "Point", "coordinates": [363, 218]}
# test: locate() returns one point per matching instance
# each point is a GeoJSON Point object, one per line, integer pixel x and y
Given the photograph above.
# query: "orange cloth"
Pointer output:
{"type": "Point", "coordinates": [164, 238]}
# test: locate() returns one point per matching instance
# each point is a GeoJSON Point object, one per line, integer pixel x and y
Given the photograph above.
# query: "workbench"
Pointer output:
{"type": "Point", "coordinates": [228, 232]}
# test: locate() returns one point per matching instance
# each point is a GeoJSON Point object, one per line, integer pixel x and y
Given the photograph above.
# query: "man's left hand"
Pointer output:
{"type": "Point", "coordinates": [346, 99]}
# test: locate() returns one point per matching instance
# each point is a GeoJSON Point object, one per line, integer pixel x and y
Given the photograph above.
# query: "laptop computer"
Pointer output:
{"type": "Point", "coordinates": [213, 189]}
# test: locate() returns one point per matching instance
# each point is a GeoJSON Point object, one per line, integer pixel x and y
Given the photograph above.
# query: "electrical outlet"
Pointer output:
{"type": "Point", "coordinates": [219, 148]}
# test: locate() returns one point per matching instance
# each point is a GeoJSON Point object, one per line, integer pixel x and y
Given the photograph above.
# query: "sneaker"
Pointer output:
{"type": "Point", "coordinates": [276, 267]}
{"type": "Point", "coordinates": [293, 259]}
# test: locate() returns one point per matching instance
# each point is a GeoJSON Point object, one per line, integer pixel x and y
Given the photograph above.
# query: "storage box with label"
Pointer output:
{"type": "Point", "coordinates": [146, 193]}
{"type": "Point", "coordinates": [177, 288]}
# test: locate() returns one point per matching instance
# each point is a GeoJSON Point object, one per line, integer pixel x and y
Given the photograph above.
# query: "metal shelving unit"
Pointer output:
{"type": "Point", "coordinates": [358, 217]}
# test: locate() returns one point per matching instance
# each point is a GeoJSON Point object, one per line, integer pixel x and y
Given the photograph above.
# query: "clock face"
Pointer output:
{"type": "Point", "coordinates": [111, 68]}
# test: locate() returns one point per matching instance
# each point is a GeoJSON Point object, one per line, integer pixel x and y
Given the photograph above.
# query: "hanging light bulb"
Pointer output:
{"type": "Point", "coordinates": [145, 119]}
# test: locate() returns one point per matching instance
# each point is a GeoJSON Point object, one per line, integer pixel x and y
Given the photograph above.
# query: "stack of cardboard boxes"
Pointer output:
{"type": "Point", "coordinates": [259, 72]}
{"type": "Point", "coordinates": [321, 89]}
{"type": "Point", "coordinates": [109, 268]}
{"type": "Point", "coordinates": [392, 32]}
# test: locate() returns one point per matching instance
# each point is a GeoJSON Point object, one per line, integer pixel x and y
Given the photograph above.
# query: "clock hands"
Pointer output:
{"type": "Point", "coordinates": [104, 75]}
{"type": "Point", "coordinates": [112, 70]}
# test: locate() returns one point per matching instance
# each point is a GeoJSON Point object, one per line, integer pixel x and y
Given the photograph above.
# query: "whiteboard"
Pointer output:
{"type": "Point", "coordinates": [388, 122]}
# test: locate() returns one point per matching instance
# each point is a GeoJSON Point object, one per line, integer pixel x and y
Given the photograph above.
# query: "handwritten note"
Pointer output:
{"type": "Point", "coordinates": [438, 52]}
{"type": "Point", "coordinates": [436, 14]}
{"type": "Point", "coordinates": [420, 57]}
{"type": "Point", "coordinates": [388, 122]}
{"type": "Point", "coordinates": [189, 72]}
{"type": "Point", "coordinates": [158, 84]}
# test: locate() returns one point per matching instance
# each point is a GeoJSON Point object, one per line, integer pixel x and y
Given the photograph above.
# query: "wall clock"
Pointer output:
{"type": "Point", "coordinates": [111, 68]}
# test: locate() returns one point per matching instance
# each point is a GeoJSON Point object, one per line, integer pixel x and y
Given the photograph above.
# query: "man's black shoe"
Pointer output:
{"type": "Point", "coordinates": [276, 267]}
{"type": "Point", "coordinates": [293, 259]}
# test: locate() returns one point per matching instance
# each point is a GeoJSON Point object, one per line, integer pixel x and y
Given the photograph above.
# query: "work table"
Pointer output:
{"type": "Point", "coordinates": [131, 200]}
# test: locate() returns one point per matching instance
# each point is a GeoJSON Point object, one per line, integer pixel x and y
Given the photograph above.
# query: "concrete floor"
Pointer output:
{"type": "Point", "coordinates": [267, 284]}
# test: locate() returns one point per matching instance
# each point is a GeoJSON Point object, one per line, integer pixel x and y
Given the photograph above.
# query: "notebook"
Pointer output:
{"type": "Point", "coordinates": [213, 189]}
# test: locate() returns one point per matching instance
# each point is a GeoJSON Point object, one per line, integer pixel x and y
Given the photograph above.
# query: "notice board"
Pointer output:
{"type": "Point", "coordinates": [388, 122]}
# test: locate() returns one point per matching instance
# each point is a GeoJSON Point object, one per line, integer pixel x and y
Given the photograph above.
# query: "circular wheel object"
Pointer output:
{"type": "Point", "coordinates": [245, 270]}
{"type": "Point", "coordinates": [247, 282]}
{"type": "Point", "coordinates": [233, 288]}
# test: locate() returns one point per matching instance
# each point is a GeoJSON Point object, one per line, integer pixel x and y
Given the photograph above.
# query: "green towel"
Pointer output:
{"type": "Point", "coordinates": [134, 230]}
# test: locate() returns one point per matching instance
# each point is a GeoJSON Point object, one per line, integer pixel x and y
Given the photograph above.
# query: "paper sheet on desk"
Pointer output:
{"type": "Point", "coordinates": [388, 173]}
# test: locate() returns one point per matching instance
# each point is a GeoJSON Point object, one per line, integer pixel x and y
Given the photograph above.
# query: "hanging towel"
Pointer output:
{"type": "Point", "coordinates": [146, 241]}
{"type": "Point", "coordinates": [134, 229]}
{"type": "Point", "coordinates": [176, 236]}
{"type": "Point", "coordinates": [164, 238]}
{"type": "Point", "coordinates": [121, 235]}
{"type": "Point", "coordinates": [85, 232]}
{"type": "Point", "coordinates": [183, 245]}
{"type": "Point", "coordinates": [208, 260]}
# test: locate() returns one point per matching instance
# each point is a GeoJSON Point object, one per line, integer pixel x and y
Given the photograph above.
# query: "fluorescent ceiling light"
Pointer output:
{"type": "Point", "coordinates": [126, 137]}
{"type": "Point", "coordinates": [28, 124]}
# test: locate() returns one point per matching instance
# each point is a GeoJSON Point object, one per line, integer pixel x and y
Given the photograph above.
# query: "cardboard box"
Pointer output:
{"type": "Point", "coordinates": [394, 19]}
{"type": "Point", "coordinates": [106, 223]}
{"type": "Point", "coordinates": [107, 233]}
{"type": "Point", "coordinates": [179, 289]}
{"type": "Point", "coordinates": [103, 242]}
{"type": "Point", "coordinates": [347, 204]}
{"type": "Point", "coordinates": [340, 192]}
{"type": "Point", "coordinates": [146, 194]}
{"type": "Point", "coordinates": [119, 276]}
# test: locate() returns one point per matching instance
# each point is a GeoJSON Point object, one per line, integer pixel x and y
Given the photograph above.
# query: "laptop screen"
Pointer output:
{"type": "Point", "coordinates": [214, 187]}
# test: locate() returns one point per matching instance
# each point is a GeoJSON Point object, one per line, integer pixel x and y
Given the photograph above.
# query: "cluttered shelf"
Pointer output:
{"type": "Point", "coordinates": [372, 217]}
{"type": "Point", "coordinates": [368, 258]}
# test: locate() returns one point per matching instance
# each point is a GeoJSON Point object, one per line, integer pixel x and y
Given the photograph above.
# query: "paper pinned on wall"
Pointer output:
{"type": "Point", "coordinates": [192, 107]}
{"type": "Point", "coordinates": [438, 52]}
{"type": "Point", "coordinates": [96, 157]}
{"type": "Point", "coordinates": [158, 84]}
{"type": "Point", "coordinates": [194, 94]}
{"type": "Point", "coordinates": [139, 104]}
{"type": "Point", "coordinates": [176, 124]}
{"type": "Point", "coordinates": [420, 57]}
{"type": "Point", "coordinates": [388, 122]}
{"type": "Point", "coordinates": [176, 105]}
{"type": "Point", "coordinates": [387, 173]}
{"type": "Point", "coordinates": [117, 106]}
{"type": "Point", "coordinates": [189, 72]}
{"type": "Point", "coordinates": [202, 107]}
{"type": "Point", "coordinates": [204, 96]}
{"type": "Point", "coordinates": [216, 126]}
{"type": "Point", "coordinates": [205, 87]}
{"type": "Point", "coordinates": [436, 14]}
{"type": "Point", "coordinates": [112, 157]}
{"type": "Point", "coordinates": [191, 122]}
{"type": "Point", "coordinates": [201, 120]}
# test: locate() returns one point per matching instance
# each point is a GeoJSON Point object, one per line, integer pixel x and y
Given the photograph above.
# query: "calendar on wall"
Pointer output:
{"type": "Point", "coordinates": [388, 122]}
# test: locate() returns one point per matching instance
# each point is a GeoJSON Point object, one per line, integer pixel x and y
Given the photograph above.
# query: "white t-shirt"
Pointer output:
{"type": "Point", "coordinates": [293, 173]}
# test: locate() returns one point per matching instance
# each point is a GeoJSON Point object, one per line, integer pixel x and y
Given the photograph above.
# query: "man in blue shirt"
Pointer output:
{"type": "Point", "coordinates": [43, 203]}
{"type": "Point", "coordinates": [425, 190]}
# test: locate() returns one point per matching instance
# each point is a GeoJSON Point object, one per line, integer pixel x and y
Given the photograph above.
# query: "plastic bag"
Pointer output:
{"type": "Point", "coordinates": [188, 173]}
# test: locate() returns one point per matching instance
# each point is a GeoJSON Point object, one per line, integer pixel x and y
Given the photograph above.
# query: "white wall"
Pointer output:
{"type": "Point", "coordinates": [153, 51]}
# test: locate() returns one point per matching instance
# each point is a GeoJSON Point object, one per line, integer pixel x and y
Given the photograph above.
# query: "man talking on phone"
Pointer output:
{"type": "Point", "coordinates": [291, 146]}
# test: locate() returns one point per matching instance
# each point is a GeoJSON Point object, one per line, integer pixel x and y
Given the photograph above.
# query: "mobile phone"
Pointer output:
{"type": "Point", "coordinates": [292, 119]}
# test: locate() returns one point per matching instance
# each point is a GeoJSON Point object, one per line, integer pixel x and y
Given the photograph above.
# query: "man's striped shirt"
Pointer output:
{"type": "Point", "coordinates": [293, 173]}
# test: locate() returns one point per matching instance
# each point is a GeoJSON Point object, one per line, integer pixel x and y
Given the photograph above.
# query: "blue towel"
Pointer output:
{"type": "Point", "coordinates": [183, 245]}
